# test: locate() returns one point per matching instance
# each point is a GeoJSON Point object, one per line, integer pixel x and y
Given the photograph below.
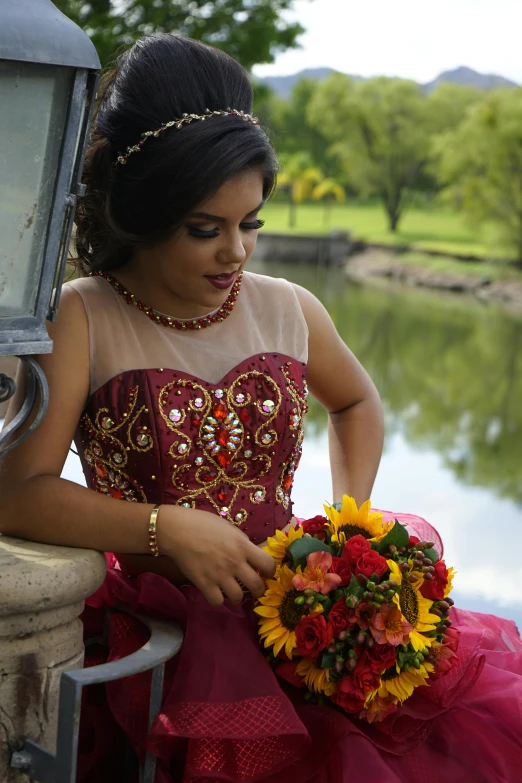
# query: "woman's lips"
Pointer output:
{"type": "Point", "coordinates": [221, 281]}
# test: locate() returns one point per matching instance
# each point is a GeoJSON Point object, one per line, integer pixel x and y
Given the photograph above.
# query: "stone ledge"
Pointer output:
{"type": "Point", "coordinates": [39, 577]}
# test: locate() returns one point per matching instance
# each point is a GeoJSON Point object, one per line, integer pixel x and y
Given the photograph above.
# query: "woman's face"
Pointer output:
{"type": "Point", "coordinates": [193, 271]}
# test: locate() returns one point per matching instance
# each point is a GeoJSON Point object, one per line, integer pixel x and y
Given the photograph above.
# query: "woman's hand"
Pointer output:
{"type": "Point", "coordinates": [214, 555]}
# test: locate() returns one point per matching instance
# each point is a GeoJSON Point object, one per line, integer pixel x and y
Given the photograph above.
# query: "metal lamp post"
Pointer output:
{"type": "Point", "coordinates": [48, 74]}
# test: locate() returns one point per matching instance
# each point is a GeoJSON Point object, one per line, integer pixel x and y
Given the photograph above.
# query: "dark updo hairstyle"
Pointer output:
{"type": "Point", "coordinates": [158, 79]}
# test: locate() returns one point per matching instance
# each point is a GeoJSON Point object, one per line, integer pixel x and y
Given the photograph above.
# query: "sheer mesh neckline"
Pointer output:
{"type": "Point", "coordinates": [201, 322]}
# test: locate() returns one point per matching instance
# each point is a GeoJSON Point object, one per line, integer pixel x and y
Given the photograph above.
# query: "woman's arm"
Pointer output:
{"type": "Point", "coordinates": [342, 386]}
{"type": "Point", "coordinates": [35, 503]}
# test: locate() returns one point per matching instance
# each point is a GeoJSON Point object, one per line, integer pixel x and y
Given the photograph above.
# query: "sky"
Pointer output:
{"type": "Point", "coordinates": [413, 39]}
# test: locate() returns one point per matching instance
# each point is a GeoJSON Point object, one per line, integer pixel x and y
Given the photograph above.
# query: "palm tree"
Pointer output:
{"type": "Point", "coordinates": [330, 190]}
{"type": "Point", "coordinates": [298, 178]}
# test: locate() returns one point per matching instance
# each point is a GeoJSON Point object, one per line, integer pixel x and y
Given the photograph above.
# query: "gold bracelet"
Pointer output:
{"type": "Point", "coordinates": [153, 541]}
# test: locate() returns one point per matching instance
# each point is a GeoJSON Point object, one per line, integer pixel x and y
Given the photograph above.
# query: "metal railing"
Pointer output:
{"type": "Point", "coordinates": [164, 643]}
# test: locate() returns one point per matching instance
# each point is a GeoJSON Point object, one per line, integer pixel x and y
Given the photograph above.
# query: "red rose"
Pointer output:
{"type": "Point", "coordinates": [371, 563]}
{"type": "Point", "coordinates": [382, 657]}
{"type": "Point", "coordinates": [364, 615]}
{"type": "Point", "coordinates": [354, 548]}
{"type": "Point", "coordinates": [451, 638]}
{"type": "Point", "coordinates": [348, 696]}
{"type": "Point", "coordinates": [312, 635]}
{"type": "Point", "coordinates": [413, 541]}
{"type": "Point", "coordinates": [365, 679]}
{"type": "Point", "coordinates": [435, 588]}
{"type": "Point", "coordinates": [342, 568]}
{"type": "Point", "coordinates": [340, 617]}
{"type": "Point", "coordinates": [315, 527]}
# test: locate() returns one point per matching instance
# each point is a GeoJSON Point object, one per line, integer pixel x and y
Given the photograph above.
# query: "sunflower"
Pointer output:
{"type": "Point", "coordinates": [277, 546]}
{"type": "Point", "coordinates": [402, 685]}
{"type": "Point", "coordinates": [414, 607]}
{"type": "Point", "coordinates": [279, 614]}
{"type": "Point", "coordinates": [352, 521]}
{"type": "Point", "coordinates": [316, 679]}
{"type": "Point", "coordinates": [449, 586]}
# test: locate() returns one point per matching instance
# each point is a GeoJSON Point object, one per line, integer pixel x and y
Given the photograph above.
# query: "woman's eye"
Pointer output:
{"type": "Point", "coordinates": [200, 234]}
{"type": "Point", "coordinates": [253, 226]}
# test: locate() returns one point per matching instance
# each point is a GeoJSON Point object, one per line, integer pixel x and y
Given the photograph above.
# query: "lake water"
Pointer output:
{"type": "Point", "coordinates": [450, 375]}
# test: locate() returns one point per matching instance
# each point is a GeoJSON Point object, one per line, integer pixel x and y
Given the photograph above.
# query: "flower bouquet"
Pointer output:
{"type": "Point", "coordinates": [358, 611]}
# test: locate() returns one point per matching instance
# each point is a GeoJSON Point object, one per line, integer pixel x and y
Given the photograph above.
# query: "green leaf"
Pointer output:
{"type": "Point", "coordinates": [327, 660]}
{"type": "Point", "coordinates": [302, 547]}
{"type": "Point", "coordinates": [338, 506]}
{"type": "Point", "coordinates": [398, 535]}
{"type": "Point", "coordinates": [327, 605]}
{"type": "Point", "coordinates": [432, 554]}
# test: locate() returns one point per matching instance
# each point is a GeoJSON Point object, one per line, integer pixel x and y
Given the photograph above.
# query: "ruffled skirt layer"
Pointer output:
{"type": "Point", "coordinates": [226, 717]}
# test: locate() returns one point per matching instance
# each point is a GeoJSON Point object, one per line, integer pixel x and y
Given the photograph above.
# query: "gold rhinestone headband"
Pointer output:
{"type": "Point", "coordinates": [186, 119]}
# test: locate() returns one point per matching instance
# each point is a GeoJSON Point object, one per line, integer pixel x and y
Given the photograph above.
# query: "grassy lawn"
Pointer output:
{"type": "Point", "coordinates": [422, 229]}
{"type": "Point", "coordinates": [494, 271]}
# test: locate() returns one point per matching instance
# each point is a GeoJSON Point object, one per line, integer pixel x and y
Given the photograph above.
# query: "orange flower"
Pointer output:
{"type": "Point", "coordinates": [316, 576]}
{"type": "Point", "coordinates": [379, 708]}
{"type": "Point", "coordinates": [389, 626]}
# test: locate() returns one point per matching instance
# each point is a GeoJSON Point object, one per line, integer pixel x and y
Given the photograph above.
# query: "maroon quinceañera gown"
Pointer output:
{"type": "Point", "coordinates": [212, 418]}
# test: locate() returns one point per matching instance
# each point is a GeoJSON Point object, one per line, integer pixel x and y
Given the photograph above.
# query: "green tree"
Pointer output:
{"type": "Point", "coordinates": [252, 31]}
{"type": "Point", "coordinates": [379, 131]}
{"type": "Point", "coordinates": [293, 131]}
{"type": "Point", "coordinates": [480, 162]}
{"type": "Point", "coordinates": [298, 178]}
{"type": "Point", "coordinates": [448, 105]}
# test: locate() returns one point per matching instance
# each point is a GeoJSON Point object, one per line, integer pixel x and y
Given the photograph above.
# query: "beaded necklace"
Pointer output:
{"type": "Point", "coordinates": [176, 323]}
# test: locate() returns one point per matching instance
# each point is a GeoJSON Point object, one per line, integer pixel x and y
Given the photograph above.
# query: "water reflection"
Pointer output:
{"type": "Point", "coordinates": [450, 375]}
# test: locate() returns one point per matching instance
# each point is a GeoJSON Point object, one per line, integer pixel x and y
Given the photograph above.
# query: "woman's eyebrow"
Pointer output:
{"type": "Point", "coordinates": [208, 216]}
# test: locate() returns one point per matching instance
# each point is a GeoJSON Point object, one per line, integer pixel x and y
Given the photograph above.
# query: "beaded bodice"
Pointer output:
{"type": "Point", "coordinates": [229, 446]}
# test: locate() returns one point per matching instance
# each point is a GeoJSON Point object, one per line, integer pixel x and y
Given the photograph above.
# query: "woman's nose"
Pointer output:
{"type": "Point", "coordinates": [232, 250]}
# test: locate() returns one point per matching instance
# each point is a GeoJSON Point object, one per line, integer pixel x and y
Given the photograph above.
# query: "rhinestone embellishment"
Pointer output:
{"type": "Point", "coordinates": [166, 320]}
{"type": "Point", "coordinates": [198, 402]}
{"type": "Point", "coordinates": [268, 406]}
{"type": "Point", "coordinates": [175, 415]}
{"type": "Point", "coordinates": [107, 423]}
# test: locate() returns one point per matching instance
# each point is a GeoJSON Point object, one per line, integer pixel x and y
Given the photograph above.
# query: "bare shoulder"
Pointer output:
{"type": "Point", "coordinates": [315, 314]}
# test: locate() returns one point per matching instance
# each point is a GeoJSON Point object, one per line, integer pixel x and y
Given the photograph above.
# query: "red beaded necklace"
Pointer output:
{"type": "Point", "coordinates": [174, 323]}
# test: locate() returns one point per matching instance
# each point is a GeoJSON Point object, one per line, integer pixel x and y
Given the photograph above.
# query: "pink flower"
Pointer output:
{"type": "Point", "coordinates": [388, 627]}
{"type": "Point", "coordinates": [316, 576]}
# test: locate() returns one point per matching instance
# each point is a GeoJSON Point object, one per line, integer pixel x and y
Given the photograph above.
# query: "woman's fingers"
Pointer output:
{"type": "Point", "coordinates": [212, 593]}
{"type": "Point", "coordinates": [251, 581]}
{"type": "Point", "coordinates": [232, 590]}
{"type": "Point", "coordinates": [263, 563]}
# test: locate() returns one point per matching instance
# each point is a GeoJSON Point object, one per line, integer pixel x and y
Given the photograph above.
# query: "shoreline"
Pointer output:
{"type": "Point", "coordinates": [379, 265]}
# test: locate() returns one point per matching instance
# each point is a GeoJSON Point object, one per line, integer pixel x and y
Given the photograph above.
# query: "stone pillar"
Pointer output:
{"type": "Point", "coordinates": [42, 593]}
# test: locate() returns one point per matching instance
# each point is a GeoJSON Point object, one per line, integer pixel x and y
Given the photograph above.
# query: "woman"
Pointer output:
{"type": "Point", "coordinates": [182, 379]}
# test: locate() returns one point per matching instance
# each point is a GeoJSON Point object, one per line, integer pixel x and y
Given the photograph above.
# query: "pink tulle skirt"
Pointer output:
{"type": "Point", "coordinates": [226, 717]}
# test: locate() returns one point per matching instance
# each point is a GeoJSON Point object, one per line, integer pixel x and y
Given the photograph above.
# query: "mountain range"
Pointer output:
{"type": "Point", "coordinates": [283, 85]}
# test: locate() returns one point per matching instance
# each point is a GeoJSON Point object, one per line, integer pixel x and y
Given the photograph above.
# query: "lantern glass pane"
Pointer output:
{"type": "Point", "coordinates": [34, 100]}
